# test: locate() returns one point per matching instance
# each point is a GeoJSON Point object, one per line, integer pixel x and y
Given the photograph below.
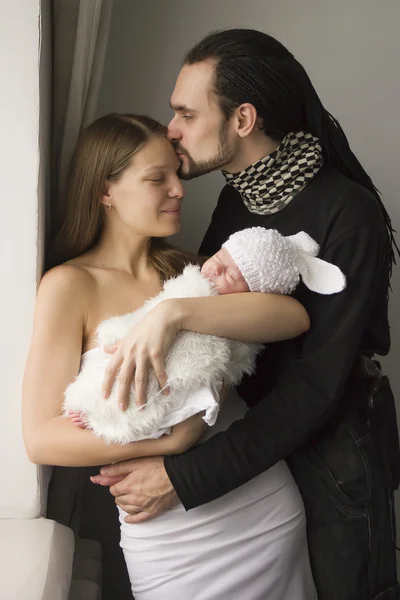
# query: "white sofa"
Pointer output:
{"type": "Point", "coordinates": [36, 554]}
{"type": "Point", "coordinates": [39, 558]}
{"type": "Point", "coordinates": [36, 559]}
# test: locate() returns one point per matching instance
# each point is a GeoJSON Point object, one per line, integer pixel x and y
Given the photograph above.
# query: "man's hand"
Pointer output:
{"type": "Point", "coordinates": [145, 491]}
{"type": "Point", "coordinates": [145, 346]}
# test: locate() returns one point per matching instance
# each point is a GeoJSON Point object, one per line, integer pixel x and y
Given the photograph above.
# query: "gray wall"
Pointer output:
{"type": "Point", "coordinates": [350, 48]}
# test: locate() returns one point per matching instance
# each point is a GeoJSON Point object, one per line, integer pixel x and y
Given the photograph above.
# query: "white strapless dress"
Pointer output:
{"type": "Point", "coordinates": [247, 545]}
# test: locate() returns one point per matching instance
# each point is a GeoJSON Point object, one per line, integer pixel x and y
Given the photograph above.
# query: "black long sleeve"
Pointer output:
{"type": "Point", "coordinates": [311, 383]}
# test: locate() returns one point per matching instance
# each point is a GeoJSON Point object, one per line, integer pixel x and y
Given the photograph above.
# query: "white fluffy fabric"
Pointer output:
{"type": "Point", "coordinates": [196, 364]}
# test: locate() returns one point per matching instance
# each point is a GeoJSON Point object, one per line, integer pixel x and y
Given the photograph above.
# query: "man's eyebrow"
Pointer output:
{"type": "Point", "coordinates": [182, 108]}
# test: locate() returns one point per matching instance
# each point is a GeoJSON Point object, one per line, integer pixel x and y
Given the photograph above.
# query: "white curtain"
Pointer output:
{"type": "Point", "coordinates": [80, 35]}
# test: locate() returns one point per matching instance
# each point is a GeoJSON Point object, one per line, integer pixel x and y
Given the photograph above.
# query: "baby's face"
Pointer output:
{"type": "Point", "coordinates": [224, 273]}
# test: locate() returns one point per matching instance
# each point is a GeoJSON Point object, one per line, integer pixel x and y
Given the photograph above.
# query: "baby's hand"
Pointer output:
{"type": "Point", "coordinates": [77, 420]}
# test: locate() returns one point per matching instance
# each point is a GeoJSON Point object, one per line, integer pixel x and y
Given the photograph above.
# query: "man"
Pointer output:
{"type": "Point", "coordinates": [244, 105]}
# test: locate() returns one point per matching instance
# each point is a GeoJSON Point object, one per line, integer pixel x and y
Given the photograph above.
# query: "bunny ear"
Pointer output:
{"type": "Point", "coordinates": [304, 243]}
{"type": "Point", "coordinates": [320, 276]}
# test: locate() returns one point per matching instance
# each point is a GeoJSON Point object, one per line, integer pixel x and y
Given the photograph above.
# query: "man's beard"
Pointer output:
{"type": "Point", "coordinates": [195, 169]}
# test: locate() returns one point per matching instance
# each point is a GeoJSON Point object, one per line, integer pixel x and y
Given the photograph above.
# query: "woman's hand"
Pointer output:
{"type": "Point", "coordinates": [184, 435]}
{"type": "Point", "coordinates": [144, 347]}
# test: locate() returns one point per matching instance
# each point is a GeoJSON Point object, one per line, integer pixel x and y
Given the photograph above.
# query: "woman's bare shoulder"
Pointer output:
{"type": "Point", "coordinates": [67, 281]}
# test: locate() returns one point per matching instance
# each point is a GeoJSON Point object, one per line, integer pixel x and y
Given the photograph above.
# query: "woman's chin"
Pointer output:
{"type": "Point", "coordinates": [175, 229]}
{"type": "Point", "coordinates": [171, 230]}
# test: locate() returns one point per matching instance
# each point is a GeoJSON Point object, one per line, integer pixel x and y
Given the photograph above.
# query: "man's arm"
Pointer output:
{"type": "Point", "coordinates": [309, 389]}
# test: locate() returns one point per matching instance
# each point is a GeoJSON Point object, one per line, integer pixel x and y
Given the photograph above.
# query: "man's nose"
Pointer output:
{"type": "Point", "coordinates": [173, 133]}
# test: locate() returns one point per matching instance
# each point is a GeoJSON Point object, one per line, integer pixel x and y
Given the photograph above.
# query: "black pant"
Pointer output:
{"type": "Point", "coordinates": [347, 479]}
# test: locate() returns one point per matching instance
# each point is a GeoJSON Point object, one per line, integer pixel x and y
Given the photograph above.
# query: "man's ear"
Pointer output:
{"type": "Point", "coordinates": [246, 119]}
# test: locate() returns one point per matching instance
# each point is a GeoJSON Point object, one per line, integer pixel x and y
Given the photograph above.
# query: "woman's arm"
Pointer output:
{"type": "Point", "coordinates": [53, 362]}
{"type": "Point", "coordinates": [247, 317]}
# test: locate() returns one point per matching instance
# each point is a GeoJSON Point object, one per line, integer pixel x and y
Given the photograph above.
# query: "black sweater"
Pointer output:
{"type": "Point", "coordinates": [299, 384]}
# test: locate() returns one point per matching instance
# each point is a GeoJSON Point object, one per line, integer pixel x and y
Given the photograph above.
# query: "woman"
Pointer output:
{"type": "Point", "coordinates": [123, 197]}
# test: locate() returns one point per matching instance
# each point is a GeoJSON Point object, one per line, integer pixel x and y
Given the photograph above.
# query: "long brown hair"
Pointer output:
{"type": "Point", "coordinates": [104, 150]}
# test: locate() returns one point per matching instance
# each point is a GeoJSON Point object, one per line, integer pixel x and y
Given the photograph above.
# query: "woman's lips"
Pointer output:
{"type": "Point", "coordinates": [175, 211]}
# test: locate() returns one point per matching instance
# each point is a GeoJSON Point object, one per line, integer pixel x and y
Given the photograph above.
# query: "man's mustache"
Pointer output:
{"type": "Point", "coordinates": [181, 150]}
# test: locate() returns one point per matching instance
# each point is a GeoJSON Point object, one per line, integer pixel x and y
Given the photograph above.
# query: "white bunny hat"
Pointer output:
{"type": "Point", "coordinates": [271, 262]}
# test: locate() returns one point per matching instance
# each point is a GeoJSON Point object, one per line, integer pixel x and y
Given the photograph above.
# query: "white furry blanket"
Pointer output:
{"type": "Point", "coordinates": [196, 364]}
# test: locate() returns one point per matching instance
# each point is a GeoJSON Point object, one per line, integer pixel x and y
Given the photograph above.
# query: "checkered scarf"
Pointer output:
{"type": "Point", "coordinates": [268, 185]}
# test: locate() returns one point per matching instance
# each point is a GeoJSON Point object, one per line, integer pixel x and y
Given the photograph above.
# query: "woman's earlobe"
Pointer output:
{"type": "Point", "coordinates": [106, 203]}
{"type": "Point", "coordinates": [105, 198]}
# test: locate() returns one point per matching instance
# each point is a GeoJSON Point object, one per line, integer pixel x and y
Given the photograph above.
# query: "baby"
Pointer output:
{"type": "Point", "coordinates": [255, 259]}
{"type": "Point", "coordinates": [263, 260]}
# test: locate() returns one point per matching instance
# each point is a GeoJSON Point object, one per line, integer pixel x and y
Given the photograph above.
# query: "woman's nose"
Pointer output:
{"type": "Point", "coordinates": [177, 190]}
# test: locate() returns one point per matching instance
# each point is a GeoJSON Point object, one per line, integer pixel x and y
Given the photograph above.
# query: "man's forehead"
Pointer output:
{"type": "Point", "coordinates": [192, 87]}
